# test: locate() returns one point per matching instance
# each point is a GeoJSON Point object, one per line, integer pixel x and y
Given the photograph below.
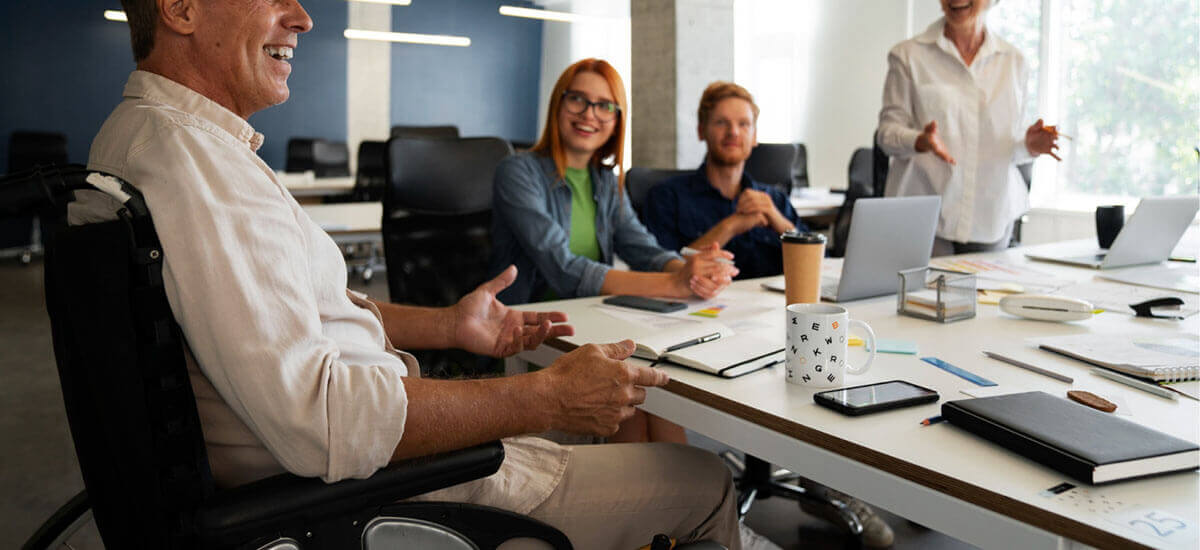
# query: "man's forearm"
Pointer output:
{"type": "Point", "coordinates": [444, 415]}
{"type": "Point", "coordinates": [413, 327]}
{"type": "Point", "coordinates": [721, 233]}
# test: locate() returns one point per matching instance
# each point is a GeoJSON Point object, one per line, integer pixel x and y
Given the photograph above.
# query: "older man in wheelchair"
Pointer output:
{"type": "Point", "coordinates": [251, 368]}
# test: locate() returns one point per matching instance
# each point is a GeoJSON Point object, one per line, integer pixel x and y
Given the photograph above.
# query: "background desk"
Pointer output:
{"type": "Point", "coordinates": [938, 476]}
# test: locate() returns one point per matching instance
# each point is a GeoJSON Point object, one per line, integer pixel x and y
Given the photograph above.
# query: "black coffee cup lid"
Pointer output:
{"type": "Point", "coordinates": [802, 238]}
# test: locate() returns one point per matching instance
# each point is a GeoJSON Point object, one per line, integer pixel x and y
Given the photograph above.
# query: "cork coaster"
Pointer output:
{"type": "Point", "coordinates": [1092, 400]}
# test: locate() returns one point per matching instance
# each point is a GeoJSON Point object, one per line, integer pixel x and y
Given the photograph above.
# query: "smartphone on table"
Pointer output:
{"type": "Point", "coordinates": [871, 398]}
{"type": "Point", "coordinates": [648, 304]}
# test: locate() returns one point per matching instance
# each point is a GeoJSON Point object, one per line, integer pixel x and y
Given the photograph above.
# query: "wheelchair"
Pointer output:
{"type": "Point", "coordinates": [136, 431]}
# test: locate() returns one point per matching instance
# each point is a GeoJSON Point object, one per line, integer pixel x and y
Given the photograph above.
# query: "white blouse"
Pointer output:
{"type": "Point", "coordinates": [980, 115]}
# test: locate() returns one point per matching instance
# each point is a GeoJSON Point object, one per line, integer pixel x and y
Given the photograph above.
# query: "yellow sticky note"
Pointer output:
{"type": "Point", "coordinates": [991, 297]}
{"type": "Point", "coordinates": [854, 341]}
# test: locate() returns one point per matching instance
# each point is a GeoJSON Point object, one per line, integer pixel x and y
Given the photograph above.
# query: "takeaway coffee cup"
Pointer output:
{"type": "Point", "coordinates": [802, 253]}
{"type": "Point", "coordinates": [1109, 221]}
{"type": "Point", "coordinates": [816, 345]}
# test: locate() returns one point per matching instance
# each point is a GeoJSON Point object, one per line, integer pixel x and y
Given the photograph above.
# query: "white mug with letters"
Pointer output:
{"type": "Point", "coordinates": [816, 345]}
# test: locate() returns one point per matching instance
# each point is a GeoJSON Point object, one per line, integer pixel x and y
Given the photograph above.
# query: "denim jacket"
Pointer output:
{"type": "Point", "coordinates": [531, 219]}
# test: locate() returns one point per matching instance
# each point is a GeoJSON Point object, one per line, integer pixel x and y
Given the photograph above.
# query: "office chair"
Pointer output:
{"type": "Point", "coordinates": [299, 154]}
{"type": "Point", "coordinates": [431, 132]}
{"type": "Point", "coordinates": [1026, 171]}
{"type": "Point", "coordinates": [137, 433]}
{"type": "Point", "coordinates": [861, 184]}
{"type": "Point", "coordinates": [331, 159]}
{"type": "Point", "coordinates": [774, 164]}
{"type": "Point", "coordinates": [26, 150]}
{"type": "Point", "coordinates": [639, 181]}
{"type": "Point", "coordinates": [437, 227]}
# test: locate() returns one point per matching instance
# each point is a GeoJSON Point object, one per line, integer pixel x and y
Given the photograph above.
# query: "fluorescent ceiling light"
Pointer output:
{"type": "Point", "coordinates": [548, 15]}
{"type": "Point", "coordinates": [115, 15]}
{"type": "Point", "coordinates": [412, 38]}
{"type": "Point", "coordinates": [391, 2]}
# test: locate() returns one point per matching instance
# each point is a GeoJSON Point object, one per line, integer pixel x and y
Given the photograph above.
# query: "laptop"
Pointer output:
{"type": "Point", "coordinates": [1148, 238]}
{"type": "Point", "coordinates": [887, 235]}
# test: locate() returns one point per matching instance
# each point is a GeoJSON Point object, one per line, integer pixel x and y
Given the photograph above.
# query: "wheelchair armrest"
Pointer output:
{"type": "Point", "coordinates": [286, 498]}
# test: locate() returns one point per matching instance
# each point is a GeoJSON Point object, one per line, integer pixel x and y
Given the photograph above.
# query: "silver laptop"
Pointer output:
{"type": "Point", "coordinates": [1148, 238]}
{"type": "Point", "coordinates": [886, 235]}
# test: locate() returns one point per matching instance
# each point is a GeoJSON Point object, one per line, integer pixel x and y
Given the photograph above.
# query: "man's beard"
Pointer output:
{"type": "Point", "coordinates": [721, 160]}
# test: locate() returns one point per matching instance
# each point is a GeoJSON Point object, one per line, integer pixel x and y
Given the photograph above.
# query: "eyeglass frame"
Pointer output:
{"type": "Point", "coordinates": [589, 105]}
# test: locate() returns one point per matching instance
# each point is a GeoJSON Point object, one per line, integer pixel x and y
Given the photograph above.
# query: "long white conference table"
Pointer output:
{"type": "Point", "coordinates": [938, 476]}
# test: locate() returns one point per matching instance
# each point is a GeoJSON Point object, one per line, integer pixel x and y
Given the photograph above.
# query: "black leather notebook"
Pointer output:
{"type": "Point", "coordinates": [1084, 443]}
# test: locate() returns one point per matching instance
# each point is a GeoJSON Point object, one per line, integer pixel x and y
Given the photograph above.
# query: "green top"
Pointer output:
{"type": "Point", "coordinates": [583, 215]}
{"type": "Point", "coordinates": [582, 240]}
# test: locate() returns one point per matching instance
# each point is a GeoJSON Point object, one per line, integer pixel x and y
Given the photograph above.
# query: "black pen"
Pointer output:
{"type": "Point", "coordinates": [692, 342]}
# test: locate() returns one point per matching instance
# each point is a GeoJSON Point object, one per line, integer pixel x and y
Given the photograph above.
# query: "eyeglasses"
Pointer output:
{"type": "Point", "coordinates": [577, 104]}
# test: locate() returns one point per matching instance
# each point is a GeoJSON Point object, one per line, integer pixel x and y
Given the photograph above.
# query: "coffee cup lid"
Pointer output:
{"type": "Point", "coordinates": [802, 238]}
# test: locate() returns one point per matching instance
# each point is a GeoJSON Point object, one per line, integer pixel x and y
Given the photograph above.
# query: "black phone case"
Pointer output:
{"type": "Point", "coordinates": [648, 304]}
{"type": "Point", "coordinates": [821, 399]}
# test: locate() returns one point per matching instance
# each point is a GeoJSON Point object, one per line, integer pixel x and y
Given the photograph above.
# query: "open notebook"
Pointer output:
{"type": "Point", "coordinates": [1162, 357]}
{"type": "Point", "coordinates": [727, 355]}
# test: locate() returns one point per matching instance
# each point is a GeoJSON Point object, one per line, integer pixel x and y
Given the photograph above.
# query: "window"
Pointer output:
{"type": "Point", "coordinates": [1122, 78]}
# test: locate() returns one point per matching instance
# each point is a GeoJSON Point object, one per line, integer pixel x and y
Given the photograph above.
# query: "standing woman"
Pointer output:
{"type": "Point", "coordinates": [560, 214]}
{"type": "Point", "coordinates": [953, 105]}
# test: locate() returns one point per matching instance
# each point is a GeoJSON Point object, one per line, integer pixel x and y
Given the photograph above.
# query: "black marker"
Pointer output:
{"type": "Point", "coordinates": [694, 342]}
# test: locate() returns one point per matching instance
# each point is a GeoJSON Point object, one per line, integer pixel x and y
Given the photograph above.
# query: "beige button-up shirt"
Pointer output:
{"type": "Point", "coordinates": [291, 371]}
{"type": "Point", "coordinates": [980, 115]}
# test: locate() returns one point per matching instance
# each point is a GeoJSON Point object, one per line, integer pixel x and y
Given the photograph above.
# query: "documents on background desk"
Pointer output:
{"type": "Point", "coordinates": [1002, 275]}
{"type": "Point", "coordinates": [1084, 443]}
{"type": "Point", "coordinates": [1183, 277]}
{"type": "Point", "coordinates": [1160, 356]}
{"type": "Point", "coordinates": [1116, 297]}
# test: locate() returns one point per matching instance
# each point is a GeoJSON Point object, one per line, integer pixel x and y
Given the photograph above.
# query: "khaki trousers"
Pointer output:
{"type": "Point", "coordinates": [619, 495]}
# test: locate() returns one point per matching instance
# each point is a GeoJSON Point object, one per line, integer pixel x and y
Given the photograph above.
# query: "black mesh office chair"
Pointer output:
{"type": "Point", "coordinates": [1026, 171]}
{"type": "Point", "coordinates": [26, 150]}
{"type": "Point", "coordinates": [137, 433]}
{"type": "Point", "coordinates": [775, 164]}
{"type": "Point", "coordinates": [861, 176]}
{"type": "Point", "coordinates": [434, 132]}
{"type": "Point", "coordinates": [299, 154]}
{"type": "Point", "coordinates": [437, 227]}
{"type": "Point", "coordinates": [639, 181]}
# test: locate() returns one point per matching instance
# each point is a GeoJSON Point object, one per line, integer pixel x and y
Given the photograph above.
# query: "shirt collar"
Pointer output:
{"type": "Point", "coordinates": [158, 88]}
{"type": "Point", "coordinates": [700, 183]}
{"type": "Point", "coordinates": [935, 34]}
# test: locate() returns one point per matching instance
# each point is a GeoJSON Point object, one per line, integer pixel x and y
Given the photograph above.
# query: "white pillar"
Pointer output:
{"type": "Point", "coordinates": [368, 78]}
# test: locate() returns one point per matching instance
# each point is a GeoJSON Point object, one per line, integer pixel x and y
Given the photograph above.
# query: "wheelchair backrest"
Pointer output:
{"type": "Point", "coordinates": [125, 384]}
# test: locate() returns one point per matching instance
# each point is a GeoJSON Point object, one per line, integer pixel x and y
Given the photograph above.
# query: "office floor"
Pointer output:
{"type": "Point", "coordinates": [39, 471]}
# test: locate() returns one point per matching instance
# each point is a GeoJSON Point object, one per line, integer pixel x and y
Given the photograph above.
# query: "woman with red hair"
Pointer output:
{"type": "Point", "coordinates": [560, 215]}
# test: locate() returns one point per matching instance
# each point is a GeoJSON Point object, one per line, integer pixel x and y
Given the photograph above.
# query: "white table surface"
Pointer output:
{"type": "Point", "coordinates": [810, 202]}
{"type": "Point", "coordinates": [347, 217]}
{"type": "Point", "coordinates": [938, 476]}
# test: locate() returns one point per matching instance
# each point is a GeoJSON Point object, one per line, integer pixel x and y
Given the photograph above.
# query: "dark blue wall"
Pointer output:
{"type": "Point", "coordinates": [64, 66]}
{"type": "Point", "coordinates": [489, 88]}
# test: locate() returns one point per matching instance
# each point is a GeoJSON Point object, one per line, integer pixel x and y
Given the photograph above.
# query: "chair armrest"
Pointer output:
{"type": "Point", "coordinates": [255, 507]}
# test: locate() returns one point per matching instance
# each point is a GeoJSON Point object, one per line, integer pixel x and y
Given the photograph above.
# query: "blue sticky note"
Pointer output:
{"type": "Point", "coordinates": [888, 345]}
{"type": "Point", "coordinates": [965, 375]}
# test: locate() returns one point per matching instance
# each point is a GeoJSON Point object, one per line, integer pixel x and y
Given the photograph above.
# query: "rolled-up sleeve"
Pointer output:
{"type": "Point", "coordinates": [519, 200]}
{"type": "Point", "coordinates": [898, 127]}
{"type": "Point", "coordinates": [248, 307]}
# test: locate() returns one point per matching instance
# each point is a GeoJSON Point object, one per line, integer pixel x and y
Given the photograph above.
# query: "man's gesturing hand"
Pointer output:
{"type": "Point", "coordinates": [485, 326]}
{"type": "Point", "coordinates": [592, 390]}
